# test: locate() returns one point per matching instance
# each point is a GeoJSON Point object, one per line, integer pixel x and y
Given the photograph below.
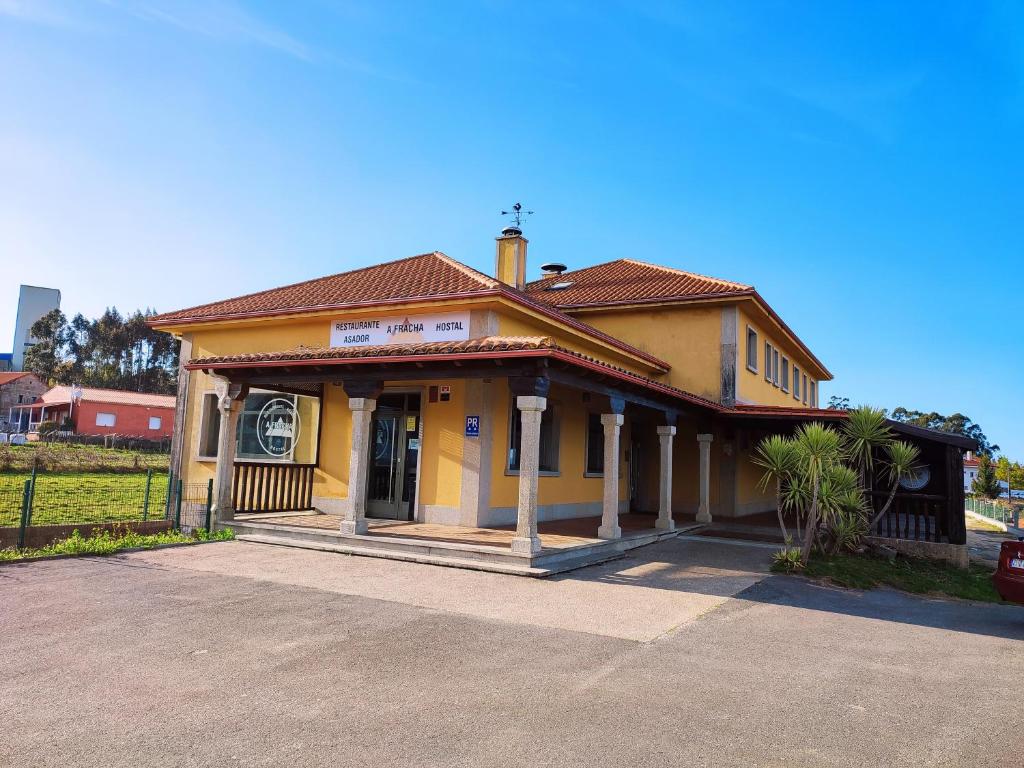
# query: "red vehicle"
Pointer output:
{"type": "Point", "coordinates": [1009, 576]}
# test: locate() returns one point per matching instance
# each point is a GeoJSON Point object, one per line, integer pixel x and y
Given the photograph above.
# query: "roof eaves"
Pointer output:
{"type": "Point", "coordinates": [782, 324]}
{"type": "Point", "coordinates": [685, 299]}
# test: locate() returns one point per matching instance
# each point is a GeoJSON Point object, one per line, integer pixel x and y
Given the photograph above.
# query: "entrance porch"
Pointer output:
{"type": "Point", "coordinates": [509, 450]}
{"type": "Point", "coordinates": [565, 544]}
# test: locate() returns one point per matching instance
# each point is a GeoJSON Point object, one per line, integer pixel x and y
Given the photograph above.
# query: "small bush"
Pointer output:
{"type": "Point", "coordinates": [847, 532]}
{"type": "Point", "coordinates": [787, 560]}
{"type": "Point", "coordinates": [47, 428]}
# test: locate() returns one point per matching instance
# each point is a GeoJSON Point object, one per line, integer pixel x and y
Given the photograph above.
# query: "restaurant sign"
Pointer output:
{"type": "Point", "coordinates": [400, 329]}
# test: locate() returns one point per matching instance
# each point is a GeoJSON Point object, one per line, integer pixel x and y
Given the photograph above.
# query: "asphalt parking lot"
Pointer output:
{"type": "Point", "coordinates": [684, 653]}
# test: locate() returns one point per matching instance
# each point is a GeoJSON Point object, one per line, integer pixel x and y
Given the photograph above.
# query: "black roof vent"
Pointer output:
{"type": "Point", "coordinates": [553, 268]}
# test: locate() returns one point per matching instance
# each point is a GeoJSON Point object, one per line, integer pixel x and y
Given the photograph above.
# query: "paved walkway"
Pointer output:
{"type": "Point", "coordinates": [684, 653]}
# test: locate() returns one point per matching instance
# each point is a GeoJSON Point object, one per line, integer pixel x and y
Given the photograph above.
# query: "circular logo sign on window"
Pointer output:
{"type": "Point", "coordinates": [278, 426]}
{"type": "Point", "coordinates": [918, 480]}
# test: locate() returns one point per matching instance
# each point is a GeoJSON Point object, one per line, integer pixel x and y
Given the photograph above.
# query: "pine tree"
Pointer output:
{"type": "Point", "coordinates": [985, 484]}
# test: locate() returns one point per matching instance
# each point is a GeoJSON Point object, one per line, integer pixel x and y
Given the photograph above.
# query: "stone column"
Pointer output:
{"type": "Point", "coordinates": [354, 520]}
{"type": "Point", "coordinates": [704, 510]}
{"type": "Point", "coordinates": [526, 541]}
{"type": "Point", "coordinates": [609, 528]}
{"type": "Point", "coordinates": [665, 436]}
{"type": "Point", "coordinates": [230, 397]}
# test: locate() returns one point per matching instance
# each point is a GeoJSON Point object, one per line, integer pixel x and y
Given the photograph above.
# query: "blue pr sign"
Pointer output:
{"type": "Point", "coordinates": [472, 426]}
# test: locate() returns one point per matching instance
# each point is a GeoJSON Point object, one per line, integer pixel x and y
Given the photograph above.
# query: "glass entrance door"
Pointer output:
{"type": "Point", "coordinates": [394, 450]}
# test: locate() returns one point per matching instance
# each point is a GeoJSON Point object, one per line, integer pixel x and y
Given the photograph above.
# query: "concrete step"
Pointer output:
{"type": "Point", "coordinates": [424, 547]}
{"type": "Point", "coordinates": [455, 554]}
{"type": "Point", "coordinates": [444, 560]}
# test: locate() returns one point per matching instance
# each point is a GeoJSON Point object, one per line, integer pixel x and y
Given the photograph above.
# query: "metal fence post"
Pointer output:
{"type": "Point", "coordinates": [31, 496]}
{"type": "Point", "coordinates": [24, 513]}
{"type": "Point", "coordinates": [145, 497]}
{"type": "Point", "coordinates": [177, 507]}
{"type": "Point", "coordinates": [209, 506]}
{"type": "Point", "coordinates": [170, 491]}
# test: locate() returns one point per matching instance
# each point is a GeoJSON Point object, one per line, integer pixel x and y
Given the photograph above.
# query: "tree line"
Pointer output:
{"type": "Point", "coordinates": [956, 424]}
{"type": "Point", "coordinates": [114, 351]}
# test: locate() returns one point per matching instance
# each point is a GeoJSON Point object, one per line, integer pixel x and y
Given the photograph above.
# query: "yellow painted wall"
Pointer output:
{"type": "Point", "coordinates": [570, 486]}
{"type": "Point", "coordinates": [441, 462]}
{"type": "Point", "coordinates": [688, 337]}
{"type": "Point", "coordinates": [749, 497]}
{"type": "Point", "coordinates": [751, 386]}
{"type": "Point", "coordinates": [517, 325]}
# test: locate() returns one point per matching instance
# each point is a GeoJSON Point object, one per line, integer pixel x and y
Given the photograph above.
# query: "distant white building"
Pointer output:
{"type": "Point", "coordinates": [970, 470]}
{"type": "Point", "coordinates": [33, 303]}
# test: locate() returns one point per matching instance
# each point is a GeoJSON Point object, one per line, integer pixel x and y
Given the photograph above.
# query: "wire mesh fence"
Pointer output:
{"type": "Point", "coordinates": [1003, 513]}
{"type": "Point", "coordinates": [73, 498]}
{"type": "Point", "coordinates": [45, 499]}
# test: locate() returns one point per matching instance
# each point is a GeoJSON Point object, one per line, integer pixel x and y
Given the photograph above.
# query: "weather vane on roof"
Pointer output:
{"type": "Point", "coordinates": [517, 214]}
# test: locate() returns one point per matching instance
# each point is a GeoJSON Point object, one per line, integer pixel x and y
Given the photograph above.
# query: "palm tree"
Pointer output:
{"type": "Point", "coordinates": [865, 430]}
{"type": "Point", "coordinates": [902, 463]}
{"type": "Point", "coordinates": [819, 450]}
{"type": "Point", "coordinates": [777, 456]}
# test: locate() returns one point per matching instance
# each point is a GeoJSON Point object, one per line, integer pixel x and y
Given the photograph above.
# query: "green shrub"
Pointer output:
{"type": "Point", "coordinates": [107, 542]}
{"type": "Point", "coordinates": [847, 531]}
{"type": "Point", "coordinates": [787, 560]}
{"type": "Point", "coordinates": [47, 428]}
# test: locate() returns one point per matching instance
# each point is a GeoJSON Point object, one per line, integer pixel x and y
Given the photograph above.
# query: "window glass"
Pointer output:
{"type": "Point", "coordinates": [272, 426]}
{"type": "Point", "coordinates": [752, 349]}
{"type": "Point", "coordinates": [796, 382]}
{"type": "Point", "coordinates": [210, 427]}
{"type": "Point", "coordinates": [767, 361]}
{"type": "Point", "coordinates": [548, 458]}
{"type": "Point", "coordinates": [595, 444]}
{"type": "Point", "coordinates": [805, 389]}
{"type": "Point", "coordinates": [775, 367]}
{"type": "Point", "coordinates": [814, 395]}
{"type": "Point", "coordinates": [105, 419]}
{"type": "Point", "coordinates": [785, 375]}
{"type": "Point", "coordinates": [155, 422]}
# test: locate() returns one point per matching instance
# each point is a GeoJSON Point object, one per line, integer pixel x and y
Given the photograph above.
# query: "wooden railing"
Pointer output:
{"type": "Point", "coordinates": [916, 516]}
{"type": "Point", "coordinates": [272, 487]}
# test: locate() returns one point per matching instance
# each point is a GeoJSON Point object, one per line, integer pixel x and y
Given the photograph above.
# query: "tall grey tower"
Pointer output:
{"type": "Point", "coordinates": [33, 303]}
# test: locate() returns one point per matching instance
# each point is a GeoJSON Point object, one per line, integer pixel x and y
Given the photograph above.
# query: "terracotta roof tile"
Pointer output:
{"type": "Point", "coordinates": [802, 412]}
{"type": "Point", "coordinates": [62, 394]}
{"type": "Point", "coordinates": [628, 281]}
{"type": "Point", "coordinates": [485, 344]}
{"type": "Point", "coordinates": [424, 276]}
{"type": "Point", "coordinates": [490, 346]}
{"type": "Point", "coordinates": [430, 275]}
{"type": "Point", "coordinates": [8, 376]}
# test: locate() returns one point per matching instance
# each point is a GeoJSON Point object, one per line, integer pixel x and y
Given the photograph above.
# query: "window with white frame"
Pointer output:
{"type": "Point", "coordinates": [751, 349]}
{"type": "Point", "coordinates": [155, 422]}
{"type": "Point", "coordinates": [814, 395]}
{"type": "Point", "coordinates": [796, 382]}
{"type": "Point", "coordinates": [106, 419]}
{"type": "Point", "coordinates": [805, 389]}
{"type": "Point", "coordinates": [785, 374]}
{"type": "Point", "coordinates": [767, 361]}
{"type": "Point", "coordinates": [775, 366]}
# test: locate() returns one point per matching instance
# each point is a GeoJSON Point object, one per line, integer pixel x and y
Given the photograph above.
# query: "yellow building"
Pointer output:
{"type": "Point", "coordinates": [423, 390]}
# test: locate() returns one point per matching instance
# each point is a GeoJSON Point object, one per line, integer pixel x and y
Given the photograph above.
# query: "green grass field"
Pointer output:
{"type": "Point", "coordinates": [82, 497]}
{"type": "Point", "coordinates": [59, 457]}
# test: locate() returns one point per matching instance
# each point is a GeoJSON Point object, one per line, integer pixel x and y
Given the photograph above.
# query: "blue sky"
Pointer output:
{"type": "Point", "coordinates": [860, 163]}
